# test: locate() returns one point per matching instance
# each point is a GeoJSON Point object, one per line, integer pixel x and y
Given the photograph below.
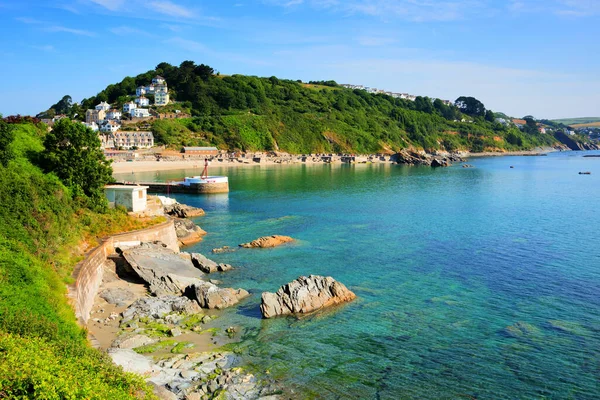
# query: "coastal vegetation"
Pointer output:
{"type": "Point", "coordinates": [249, 113]}
{"type": "Point", "coordinates": [47, 220]}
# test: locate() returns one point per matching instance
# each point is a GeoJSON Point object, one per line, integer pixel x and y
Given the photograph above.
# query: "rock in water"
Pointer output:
{"type": "Point", "coordinates": [183, 211]}
{"type": "Point", "coordinates": [268, 241]}
{"type": "Point", "coordinates": [208, 266]}
{"type": "Point", "coordinates": [305, 295]}
{"type": "Point", "coordinates": [211, 296]}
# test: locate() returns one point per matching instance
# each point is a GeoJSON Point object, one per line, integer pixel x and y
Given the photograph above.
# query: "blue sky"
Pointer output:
{"type": "Point", "coordinates": [536, 57]}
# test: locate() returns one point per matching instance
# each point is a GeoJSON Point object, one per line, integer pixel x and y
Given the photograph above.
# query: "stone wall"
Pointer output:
{"type": "Point", "coordinates": [89, 272]}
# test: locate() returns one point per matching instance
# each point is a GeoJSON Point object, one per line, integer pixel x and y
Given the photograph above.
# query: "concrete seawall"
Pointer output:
{"type": "Point", "coordinates": [88, 273]}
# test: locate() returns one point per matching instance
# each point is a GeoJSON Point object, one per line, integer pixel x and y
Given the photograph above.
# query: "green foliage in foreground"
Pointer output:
{"type": "Point", "coordinates": [43, 352]}
{"type": "Point", "coordinates": [249, 113]}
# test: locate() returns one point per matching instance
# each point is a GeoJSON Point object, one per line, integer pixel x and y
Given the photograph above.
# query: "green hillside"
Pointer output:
{"type": "Point", "coordinates": [578, 121]}
{"type": "Point", "coordinates": [43, 352]}
{"type": "Point", "coordinates": [249, 113]}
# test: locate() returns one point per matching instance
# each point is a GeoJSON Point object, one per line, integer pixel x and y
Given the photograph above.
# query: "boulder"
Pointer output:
{"type": "Point", "coordinates": [211, 296]}
{"type": "Point", "coordinates": [183, 211]}
{"type": "Point", "coordinates": [118, 296]}
{"type": "Point", "coordinates": [158, 307]}
{"type": "Point", "coordinates": [165, 271]}
{"type": "Point", "coordinates": [304, 295]}
{"type": "Point", "coordinates": [132, 361]}
{"type": "Point", "coordinates": [208, 266]}
{"type": "Point", "coordinates": [131, 342]}
{"type": "Point", "coordinates": [268, 241]}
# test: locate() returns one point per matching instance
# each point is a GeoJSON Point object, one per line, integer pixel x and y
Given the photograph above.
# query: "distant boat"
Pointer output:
{"type": "Point", "coordinates": [585, 173]}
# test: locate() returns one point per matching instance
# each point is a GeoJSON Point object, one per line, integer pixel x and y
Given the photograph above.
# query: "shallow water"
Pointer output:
{"type": "Point", "coordinates": [442, 260]}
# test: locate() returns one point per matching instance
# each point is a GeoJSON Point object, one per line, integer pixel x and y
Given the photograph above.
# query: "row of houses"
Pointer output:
{"type": "Point", "coordinates": [127, 140]}
{"type": "Point", "coordinates": [395, 95]}
{"type": "Point", "coordinates": [158, 88]}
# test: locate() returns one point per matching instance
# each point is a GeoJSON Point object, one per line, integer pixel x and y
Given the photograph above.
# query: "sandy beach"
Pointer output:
{"type": "Point", "coordinates": [146, 165]}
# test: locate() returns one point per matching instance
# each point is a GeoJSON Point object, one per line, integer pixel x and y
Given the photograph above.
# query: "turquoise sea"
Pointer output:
{"type": "Point", "coordinates": [479, 283]}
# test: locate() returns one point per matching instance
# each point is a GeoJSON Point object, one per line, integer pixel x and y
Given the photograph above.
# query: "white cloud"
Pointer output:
{"type": "Point", "coordinates": [112, 5]}
{"type": "Point", "coordinates": [412, 10]}
{"type": "Point", "coordinates": [127, 30]}
{"type": "Point", "coordinates": [79, 32]}
{"type": "Point", "coordinates": [29, 21]}
{"type": "Point", "coordinates": [171, 9]}
{"type": "Point", "coordinates": [48, 48]}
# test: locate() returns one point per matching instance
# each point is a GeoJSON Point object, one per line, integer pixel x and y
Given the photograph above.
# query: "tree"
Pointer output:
{"type": "Point", "coordinates": [489, 116]}
{"type": "Point", "coordinates": [470, 106]}
{"type": "Point", "coordinates": [64, 105]}
{"type": "Point", "coordinates": [6, 137]}
{"type": "Point", "coordinates": [74, 154]}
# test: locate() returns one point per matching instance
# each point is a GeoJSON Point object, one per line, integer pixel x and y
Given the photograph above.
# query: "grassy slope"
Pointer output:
{"type": "Point", "coordinates": [43, 352]}
{"type": "Point", "coordinates": [250, 113]}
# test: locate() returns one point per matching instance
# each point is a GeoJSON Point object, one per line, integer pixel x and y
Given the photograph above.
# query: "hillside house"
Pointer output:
{"type": "Point", "coordinates": [127, 140]}
{"type": "Point", "coordinates": [161, 98]}
{"type": "Point", "coordinates": [140, 91]}
{"type": "Point", "coordinates": [114, 114]}
{"type": "Point", "coordinates": [158, 80]}
{"type": "Point", "coordinates": [93, 126]}
{"type": "Point", "coordinates": [110, 126]}
{"type": "Point", "coordinates": [106, 140]}
{"type": "Point", "coordinates": [95, 116]}
{"type": "Point", "coordinates": [142, 101]}
{"type": "Point", "coordinates": [128, 107]}
{"type": "Point", "coordinates": [139, 113]}
{"type": "Point", "coordinates": [103, 106]}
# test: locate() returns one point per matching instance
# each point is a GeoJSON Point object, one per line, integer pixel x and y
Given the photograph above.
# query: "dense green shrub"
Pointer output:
{"type": "Point", "coordinates": [43, 352]}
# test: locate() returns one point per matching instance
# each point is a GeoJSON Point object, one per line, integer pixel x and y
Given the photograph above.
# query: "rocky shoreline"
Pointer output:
{"type": "Point", "coordinates": [156, 314]}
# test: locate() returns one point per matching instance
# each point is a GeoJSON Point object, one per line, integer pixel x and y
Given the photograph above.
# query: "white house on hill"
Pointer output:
{"type": "Point", "coordinates": [110, 126]}
{"type": "Point", "coordinates": [158, 80]}
{"type": "Point", "coordinates": [142, 101]}
{"type": "Point", "coordinates": [139, 113]}
{"type": "Point", "coordinates": [114, 114]}
{"type": "Point", "coordinates": [128, 107]}
{"type": "Point", "coordinates": [104, 106]}
{"type": "Point", "coordinates": [140, 91]}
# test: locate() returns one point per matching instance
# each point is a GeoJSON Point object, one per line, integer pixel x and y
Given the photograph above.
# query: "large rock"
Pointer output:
{"type": "Point", "coordinates": [208, 266]}
{"type": "Point", "coordinates": [132, 361]}
{"type": "Point", "coordinates": [304, 295]}
{"type": "Point", "coordinates": [158, 307]}
{"type": "Point", "coordinates": [117, 296]}
{"type": "Point", "coordinates": [183, 211]}
{"type": "Point", "coordinates": [211, 296]}
{"type": "Point", "coordinates": [132, 341]}
{"type": "Point", "coordinates": [165, 271]}
{"type": "Point", "coordinates": [268, 241]}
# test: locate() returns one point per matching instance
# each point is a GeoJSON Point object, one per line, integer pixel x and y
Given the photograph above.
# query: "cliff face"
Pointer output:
{"type": "Point", "coordinates": [573, 144]}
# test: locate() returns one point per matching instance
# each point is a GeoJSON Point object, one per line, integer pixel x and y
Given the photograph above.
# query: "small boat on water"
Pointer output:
{"type": "Point", "coordinates": [585, 173]}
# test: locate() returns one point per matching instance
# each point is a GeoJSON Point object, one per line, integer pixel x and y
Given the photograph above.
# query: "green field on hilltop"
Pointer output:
{"type": "Point", "coordinates": [582, 122]}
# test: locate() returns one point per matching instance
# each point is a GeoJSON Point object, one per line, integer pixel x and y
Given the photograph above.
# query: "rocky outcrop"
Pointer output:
{"type": "Point", "coordinates": [132, 341]}
{"type": "Point", "coordinates": [158, 307]}
{"type": "Point", "coordinates": [208, 266]}
{"type": "Point", "coordinates": [211, 296]}
{"type": "Point", "coordinates": [117, 296]}
{"type": "Point", "coordinates": [268, 241]}
{"type": "Point", "coordinates": [164, 270]}
{"type": "Point", "coordinates": [183, 211]}
{"type": "Point", "coordinates": [188, 232]}
{"type": "Point", "coordinates": [411, 157]}
{"type": "Point", "coordinates": [304, 295]}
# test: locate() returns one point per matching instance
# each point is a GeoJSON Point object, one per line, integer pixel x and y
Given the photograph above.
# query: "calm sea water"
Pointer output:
{"type": "Point", "coordinates": [443, 261]}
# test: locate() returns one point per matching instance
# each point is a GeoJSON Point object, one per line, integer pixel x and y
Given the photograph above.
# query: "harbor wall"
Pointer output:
{"type": "Point", "coordinates": [89, 272]}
